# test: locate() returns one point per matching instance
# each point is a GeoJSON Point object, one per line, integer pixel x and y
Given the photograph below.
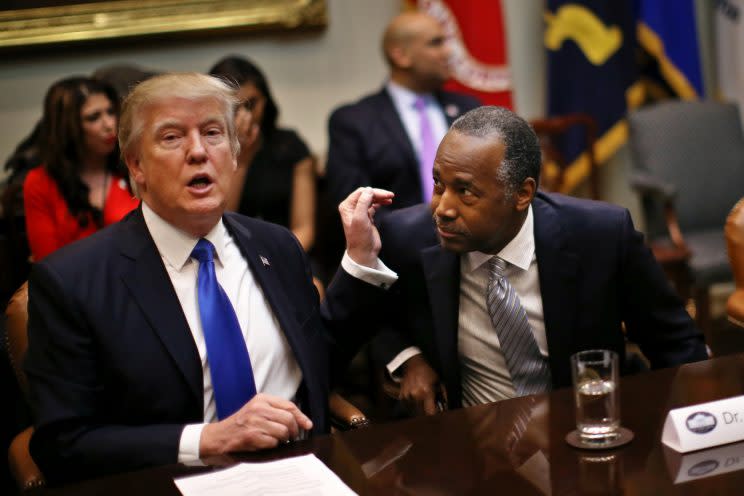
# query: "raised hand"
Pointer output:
{"type": "Point", "coordinates": [357, 216]}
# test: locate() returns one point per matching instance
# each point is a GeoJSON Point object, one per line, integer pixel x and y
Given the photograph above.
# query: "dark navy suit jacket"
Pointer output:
{"type": "Point", "coordinates": [369, 146]}
{"type": "Point", "coordinates": [113, 369]}
{"type": "Point", "coordinates": [595, 273]}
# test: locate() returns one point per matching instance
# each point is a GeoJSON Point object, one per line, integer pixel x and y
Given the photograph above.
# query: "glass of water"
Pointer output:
{"type": "Point", "coordinates": [595, 380]}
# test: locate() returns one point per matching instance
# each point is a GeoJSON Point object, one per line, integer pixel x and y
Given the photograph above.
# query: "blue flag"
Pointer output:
{"type": "Point", "coordinates": [592, 48]}
{"type": "Point", "coordinates": [667, 31]}
{"type": "Point", "coordinates": [591, 65]}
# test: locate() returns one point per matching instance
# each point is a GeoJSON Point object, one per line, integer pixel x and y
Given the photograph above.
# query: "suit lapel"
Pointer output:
{"type": "Point", "coordinates": [150, 286]}
{"type": "Point", "coordinates": [450, 108]}
{"type": "Point", "coordinates": [394, 126]}
{"type": "Point", "coordinates": [558, 268]}
{"type": "Point", "coordinates": [267, 278]}
{"type": "Point", "coordinates": [442, 271]}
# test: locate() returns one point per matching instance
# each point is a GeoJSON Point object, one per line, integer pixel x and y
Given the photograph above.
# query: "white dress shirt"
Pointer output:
{"type": "Point", "coordinates": [484, 373]}
{"type": "Point", "coordinates": [275, 369]}
{"type": "Point", "coordinates": [404, 100]}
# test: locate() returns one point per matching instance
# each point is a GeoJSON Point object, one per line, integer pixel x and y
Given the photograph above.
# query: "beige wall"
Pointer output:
{"type": "Point", "coordinates": [310, 73]}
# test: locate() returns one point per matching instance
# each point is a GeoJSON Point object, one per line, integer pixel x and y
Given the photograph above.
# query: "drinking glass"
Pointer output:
{"type": "Point", "coordinates": [595, 380]}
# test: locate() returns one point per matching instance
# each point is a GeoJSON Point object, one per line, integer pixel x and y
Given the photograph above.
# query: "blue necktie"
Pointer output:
{"type": "Point", "coordinates": [229, 363]}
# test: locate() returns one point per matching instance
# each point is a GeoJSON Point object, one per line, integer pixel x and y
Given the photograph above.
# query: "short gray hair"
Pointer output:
{"type": "Point", "coordinates": [188, 85]}
{"type": "Point", "coordinates": [522, 156]}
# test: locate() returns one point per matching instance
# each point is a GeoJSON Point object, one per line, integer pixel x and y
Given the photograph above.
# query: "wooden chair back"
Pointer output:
{"type": "Point", "coordinates": [551, 132]}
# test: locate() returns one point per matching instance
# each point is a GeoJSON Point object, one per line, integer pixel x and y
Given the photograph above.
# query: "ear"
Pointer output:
{"type": "Point", "coordinates": [134, 165]}
{"type": "Point", "coordinates": [400, 56]}
{"type": "Point", "coordinates": [524, 195]}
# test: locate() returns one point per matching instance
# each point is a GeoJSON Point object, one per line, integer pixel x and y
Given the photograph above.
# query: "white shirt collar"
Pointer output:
{"type": "Point", "coordinates": [175, 245]}
{"type": "Point", "coordinates": [518, 252]}
{"type": "Point", "coordinates": [404, 97]}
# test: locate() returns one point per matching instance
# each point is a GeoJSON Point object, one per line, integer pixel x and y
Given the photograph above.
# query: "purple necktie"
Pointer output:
{"type": "Point", "coordinates": [428, 149]}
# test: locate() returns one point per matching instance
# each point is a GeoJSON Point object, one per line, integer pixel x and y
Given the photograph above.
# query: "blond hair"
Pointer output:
{"type": "Point", "coordinates": [188, 85]}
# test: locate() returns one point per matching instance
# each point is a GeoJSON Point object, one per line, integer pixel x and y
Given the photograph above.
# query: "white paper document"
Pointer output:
{"type": "Point", "coordinates": [298, 476]}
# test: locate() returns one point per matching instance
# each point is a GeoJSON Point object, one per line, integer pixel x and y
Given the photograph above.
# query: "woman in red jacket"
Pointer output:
{"type": "Point", "coordinates": [80, 188]}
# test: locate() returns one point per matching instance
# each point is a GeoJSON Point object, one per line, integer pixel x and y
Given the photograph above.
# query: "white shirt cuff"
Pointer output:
{"type": "Point", "coordinates": [400, 359]}
{"type": "Point", "coordinates": [379, 276]}
{"type": "Point", "coordinates": [188, 447]}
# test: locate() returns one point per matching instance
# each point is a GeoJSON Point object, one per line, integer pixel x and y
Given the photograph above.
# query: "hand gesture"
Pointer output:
{"type": "Point", "coordinates": [357, 216]}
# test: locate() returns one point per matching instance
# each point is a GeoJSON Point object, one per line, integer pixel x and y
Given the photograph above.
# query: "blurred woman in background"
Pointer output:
{"type": "Point", "coordinates": [275, 180]}
{"type": "Point", "coordinates": [80, 186]}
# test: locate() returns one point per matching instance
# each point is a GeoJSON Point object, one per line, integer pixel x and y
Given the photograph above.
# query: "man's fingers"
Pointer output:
{"type": "Point", "coordinates": [430, 406]}
{"type": "Point", "coordinates": [382, 196]}
{"type": "Point", "coordinates": [379, 197]}
{"type": "Point", "coordinates": [277, 402]}
{"type": "Point", "coordinates": [363, 204]}
{"type": "Point", "coordinates": [261, 441]}
{"type": "Point", "coordinates": [277, 418]}
{"type": "Point", "coordinates": [300, 419]}
{"type": "Point", "coordinates": [280, 431]}
{"type": "Point", "coordinates": [281, 423]}
{"type": "Point", "coordinates": [419, 399]}
{"type": "Point", "coordinates": [349, 204]}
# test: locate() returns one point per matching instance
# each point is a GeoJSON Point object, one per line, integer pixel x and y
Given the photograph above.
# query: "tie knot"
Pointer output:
{"type": "Point", "coordinates": [497, 266]}
{"type": "Point", "coordinates": [203, 251]}
{"type": "Point", "coordinates": [420, 103]}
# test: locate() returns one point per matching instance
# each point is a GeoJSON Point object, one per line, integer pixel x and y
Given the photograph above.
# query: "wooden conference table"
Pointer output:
{"type": "Point", "coordinates": [514, 447]}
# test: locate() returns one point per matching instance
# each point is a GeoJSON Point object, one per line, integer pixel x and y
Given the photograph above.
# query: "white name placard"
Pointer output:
{"type": "Point", "coordinates": [705, 425]}
{"type": "Point", "coordinates": [705, 463]}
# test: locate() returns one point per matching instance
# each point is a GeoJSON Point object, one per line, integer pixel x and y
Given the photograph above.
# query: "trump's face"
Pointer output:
{"type": "Point", "coordinates": [184, 163]}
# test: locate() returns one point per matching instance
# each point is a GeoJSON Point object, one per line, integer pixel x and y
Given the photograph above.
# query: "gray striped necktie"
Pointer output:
{"type": "Point", "coordinates": [528, 368]}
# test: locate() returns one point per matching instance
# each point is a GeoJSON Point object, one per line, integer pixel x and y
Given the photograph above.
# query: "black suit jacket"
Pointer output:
{"type": "Point", "coordinates": [595, 274]}
{"type": "Point", "coordinates": [369, 146]}
{"type": "Point", "coordinates": [113, 370]}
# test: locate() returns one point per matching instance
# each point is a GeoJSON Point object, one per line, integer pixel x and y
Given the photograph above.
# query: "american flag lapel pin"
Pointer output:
{"type": "Point", "coordinates": [264, 261]}
{"type": "Point", "coordinates": [452, 110]}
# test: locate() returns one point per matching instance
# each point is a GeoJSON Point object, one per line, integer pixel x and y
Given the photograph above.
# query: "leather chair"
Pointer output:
{"type": "Point", "coordinates": [688, 170]}
{"type": "Point", "coordinates": [735, 243]}
{"type": "Point", "coordinates": [344, 415]}
{"type": "Point", "coordinates": [552, 132]}
{"type": "Point", "coordinates": [22, 466]}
